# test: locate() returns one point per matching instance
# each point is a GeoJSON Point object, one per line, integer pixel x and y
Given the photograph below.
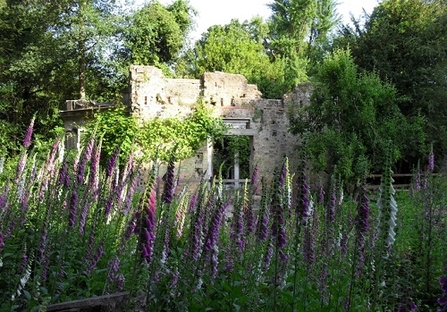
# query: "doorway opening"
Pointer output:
{"type": "Point", "coordinates": [232, 158]}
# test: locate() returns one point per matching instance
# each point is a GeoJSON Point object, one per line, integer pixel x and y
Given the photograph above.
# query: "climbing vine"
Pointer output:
{"type": "Point", "coordinates": [162, 137]}
{"type": "Point", "coordinates": [159, 138]}
{"type": "Point", "coordinates": [116, 128]}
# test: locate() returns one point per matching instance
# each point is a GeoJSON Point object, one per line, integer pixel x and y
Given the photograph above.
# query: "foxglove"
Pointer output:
{"type": "Point", "coordinates": [94, 261]}
{"type": "Point", "coordinates": [387, 209]}
{"type": "Point", "coordinates": [431, 160]}
{"type": "Point", "coordinates": [29, 133]}
{"type": "Point", "coordinates": [112, 162]}
{"type": "Point", "coordinates": [213, 236]}
{"type": "Point", "coordinates": [362, 226]}
{"type": "Point", "coordinates": [72, 209]}
{"type": "Point", "coordinates": [169, 186]}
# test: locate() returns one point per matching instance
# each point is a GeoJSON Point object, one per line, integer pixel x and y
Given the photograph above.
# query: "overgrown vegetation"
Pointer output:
{"type": "Point", "coordinates": [158, 138]}
{"type": "Point", "coordinates": [378, 104]}
{"type": "Point", "coordinates": [196, 247]}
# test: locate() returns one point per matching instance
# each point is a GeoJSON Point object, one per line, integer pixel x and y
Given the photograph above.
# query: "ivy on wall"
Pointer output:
{"type": "Point", "coordinates": [159, 138]}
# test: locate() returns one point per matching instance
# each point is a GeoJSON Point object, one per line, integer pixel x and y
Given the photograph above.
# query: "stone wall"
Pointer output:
{"type": "Point", "coordinates": [265, 121]}
{"type": "Point", "coordinates": [231, 98]}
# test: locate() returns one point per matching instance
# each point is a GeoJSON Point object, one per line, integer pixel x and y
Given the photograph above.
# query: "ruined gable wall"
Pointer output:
{"type": "Point", "coordinates": [230, 97]}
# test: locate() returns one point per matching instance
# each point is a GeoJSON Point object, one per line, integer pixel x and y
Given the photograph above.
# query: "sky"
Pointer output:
{"type": "Point", "coordinates": [212, 12]}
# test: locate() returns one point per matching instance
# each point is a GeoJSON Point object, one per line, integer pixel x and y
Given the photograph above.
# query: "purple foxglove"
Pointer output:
{"type": "Point", "coordinates": [197, 239]}
{"type": "Point", "coordinates": [95, 260]}
{"type": "Point", "coordinates": [431, 161]}
{"type": "Point", "coordinates": [64, 176]}
{"type": "Point", "coordinates": [214, 230]}
{"type": "Point", "coordinates": [237, 228]}
{"type": "Point", "coordinates": [94, 166]}
{"type": "Point", "coordinates": [83, 217]}
{"type": "Point", "coordinates": [169, 186]}
{"type": "Point", "coordinates": [20, 166]}
{"type": "Point", "coordinates": [277, 213]}
{"type": "Point", "coordinates": [129, 194]}
{"type": "Point", "coordinates": [120, 282]}
{"type": "Point", "coordinates": [192, 202]}
{"type": "Point", "coordinates": [50, 162]}
{"type": "Point", "coordinates": [72, 209]}
{"type": "Point", "coordinates": [442, 301]}
{"type": "Point", "coordinates": [112, 162]}
{"type": "Point", "coordinates": [249, 216]}
{"type": "Point", "coordinates": [29, 133]}
{"type": "Point", "coordinates": [113, 267]}
{"type": "Point", "coordinates": [268, 256]}
{"type": "Point", "coordinates": [254, 180]}
{"type": "Point", "coordinates": [332, 205]}
{"type": "Point", "coordinates": [148, 227]}
{"type": "Point", "coordinates": [321, 195]}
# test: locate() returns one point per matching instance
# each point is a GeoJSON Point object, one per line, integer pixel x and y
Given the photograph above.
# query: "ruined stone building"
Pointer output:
{"type": "Point", "coordinates": [263, 122]}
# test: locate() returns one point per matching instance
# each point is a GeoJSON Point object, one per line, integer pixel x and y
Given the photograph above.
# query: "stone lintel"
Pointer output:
{"type": "Point", "coordinates": [248, 132]}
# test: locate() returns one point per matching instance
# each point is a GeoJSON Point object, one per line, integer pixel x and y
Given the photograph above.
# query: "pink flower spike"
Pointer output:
{"type": "Point", "coordinates": [29, 134]}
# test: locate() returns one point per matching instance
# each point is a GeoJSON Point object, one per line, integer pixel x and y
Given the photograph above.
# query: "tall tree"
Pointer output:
{"type": "Point", "coordinates": [156, 33]}
{"type": "Point", "coordinates": [239, 48]}
{"type": "Point", "coordinates": [47, 52]}
{"type": "Point", "coordinates": [303, 25]}
{"type": "Point", "coordinates": [352, 119]}
{"type": "Point", "coordinates": [405, 43]}
{"type": "Point", "coordinates": [84, 30]}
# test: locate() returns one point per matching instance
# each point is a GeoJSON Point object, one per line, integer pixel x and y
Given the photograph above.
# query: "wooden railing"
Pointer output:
{"type": "Point", "coordinates": [401, 180]}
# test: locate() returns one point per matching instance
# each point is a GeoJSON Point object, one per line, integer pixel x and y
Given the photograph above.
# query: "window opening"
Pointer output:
{"type": "Point", "coordinates": [231, 155]}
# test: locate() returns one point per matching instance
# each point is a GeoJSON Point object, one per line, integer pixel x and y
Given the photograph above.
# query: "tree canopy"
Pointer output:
{"type": "Point", "coordinates": [384, 77]}
{"type": "Point", "coordinates": [404, 43]}
{"type": "Point", "coordinates": [352, 121]}
{"type": "Point", "coordinates": [239, 48]}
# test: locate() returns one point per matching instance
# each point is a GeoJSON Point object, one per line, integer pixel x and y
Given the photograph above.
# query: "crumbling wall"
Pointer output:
{"type": "Point", "coordinates": [152, 95]}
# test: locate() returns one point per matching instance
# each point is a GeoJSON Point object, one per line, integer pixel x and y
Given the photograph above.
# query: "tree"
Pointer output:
{"type": "Point", "coordinates": [352, 119]}
{"type": "Point", "coordinates": [51, 52]}
{"type": "Point", "coordinates": [300, 28]}
{"type": "Point", "coordinates": [238, 48]}
{"type": "Point", "coordinates": [26, 69]}
{"type": "Point", "coordinates": [156, 33]}
{"type": "Point", "coordinates": [404, 42]}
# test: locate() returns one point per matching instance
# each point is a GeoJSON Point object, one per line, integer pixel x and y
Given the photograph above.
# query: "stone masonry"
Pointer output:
{"type": "Point", "coordinates": [240, 104]}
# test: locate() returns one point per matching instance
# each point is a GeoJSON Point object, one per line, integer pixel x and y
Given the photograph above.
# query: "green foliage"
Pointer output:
{"type": "Point", "coordinates": [160, 138]}
{"type": "Point", "coordinates": [224, 152]}
{"type": "Point", "coordinates": [116, 128]}
{"type": "Point", "coordinates": [186, 255]}
{"type": "Point", "coordinates": [239, 48]}
{"type": "Point", "coordinates": [300, 28]}
{"type": "Point", "coordinates": [350, 121]}
{"type": "Point", "coordinates": [157, 33]}
{"type": "Point", "coordinates": [404, 42]}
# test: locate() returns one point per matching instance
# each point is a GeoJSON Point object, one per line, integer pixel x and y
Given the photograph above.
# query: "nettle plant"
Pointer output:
{"type": "Point", "coordinates": [271, 245]}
